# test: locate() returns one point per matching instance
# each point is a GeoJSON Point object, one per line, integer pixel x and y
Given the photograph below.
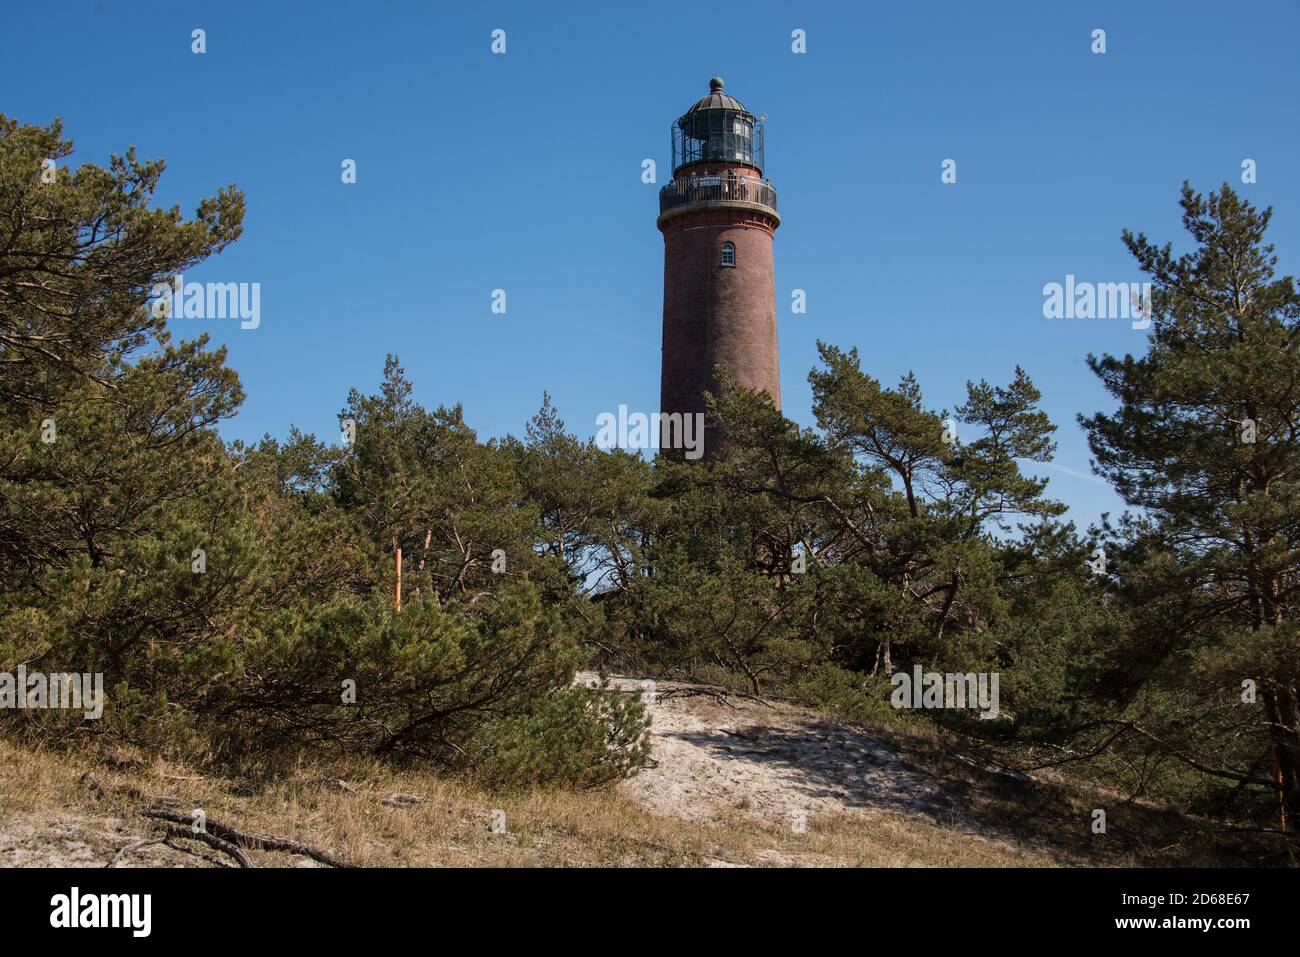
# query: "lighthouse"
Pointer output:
{"type": "Point", "coordinates": [718, 218]}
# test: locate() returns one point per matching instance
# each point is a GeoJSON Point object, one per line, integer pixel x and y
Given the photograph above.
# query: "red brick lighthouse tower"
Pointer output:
{"type": "Point", "coordinates": [718, 217]}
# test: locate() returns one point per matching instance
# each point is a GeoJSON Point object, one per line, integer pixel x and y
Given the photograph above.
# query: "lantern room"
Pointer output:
{"type": "Point", "coordinates": [718, 129]}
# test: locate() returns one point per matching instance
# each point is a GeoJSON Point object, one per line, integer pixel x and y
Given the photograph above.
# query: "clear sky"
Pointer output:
{"type": "Point", "coordinates": [522, 172]}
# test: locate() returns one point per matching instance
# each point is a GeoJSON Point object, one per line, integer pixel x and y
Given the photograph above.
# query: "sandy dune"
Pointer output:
{"type": "Point", "coordinates": [715, 754]}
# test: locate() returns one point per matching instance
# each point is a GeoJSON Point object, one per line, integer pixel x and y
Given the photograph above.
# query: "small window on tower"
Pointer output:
{"type": "Point", "coordinates": [728, 254]}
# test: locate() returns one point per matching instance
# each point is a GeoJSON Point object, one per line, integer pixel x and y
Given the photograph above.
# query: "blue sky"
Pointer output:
{"type": "Point", "coordinates": [522, 172]}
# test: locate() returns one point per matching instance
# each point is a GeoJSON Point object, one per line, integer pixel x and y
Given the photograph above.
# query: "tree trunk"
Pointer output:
{"type": "Point", "coordinates": [1284, 727]}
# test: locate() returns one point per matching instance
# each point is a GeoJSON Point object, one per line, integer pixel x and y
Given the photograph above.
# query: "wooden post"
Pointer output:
{"type": "Point", "coordinates": [1281, 795]}
{"type": "Point", "coordinates": [398, 559]}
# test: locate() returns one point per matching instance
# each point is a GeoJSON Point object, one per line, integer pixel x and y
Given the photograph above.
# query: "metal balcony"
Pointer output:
{"type": "Point", "coordinates": [692, 190]}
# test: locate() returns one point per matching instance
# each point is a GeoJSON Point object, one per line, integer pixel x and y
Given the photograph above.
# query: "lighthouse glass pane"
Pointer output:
{"type": "Point", "coordinates": [728, 254]}
{"type": "Point", "coordinates": [717, 136]}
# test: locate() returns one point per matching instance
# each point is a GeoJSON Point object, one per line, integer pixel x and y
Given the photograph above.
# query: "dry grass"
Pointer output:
{"type": "Point", "coordinates": [48, 816]}
{"type": "Point", "coordinates": [729, 775]}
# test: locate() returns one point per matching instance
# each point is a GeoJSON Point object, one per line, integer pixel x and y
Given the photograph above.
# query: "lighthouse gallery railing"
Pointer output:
{"type": "Point", "coordinates": [711, 189]}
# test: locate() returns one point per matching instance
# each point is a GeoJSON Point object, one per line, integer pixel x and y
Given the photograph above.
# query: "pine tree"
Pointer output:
{"type": "Point", "coordinates": [1205, 442]}
{"type": "Point", "coordinates": [110, 474]}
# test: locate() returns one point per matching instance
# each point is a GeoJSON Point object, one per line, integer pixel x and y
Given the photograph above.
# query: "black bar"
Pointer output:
{"type": "Point", "coordinates": [231, 907]}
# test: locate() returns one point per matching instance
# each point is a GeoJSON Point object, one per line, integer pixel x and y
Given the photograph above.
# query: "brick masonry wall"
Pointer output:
{"type": "Point", "coordinates": [715, 314]}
